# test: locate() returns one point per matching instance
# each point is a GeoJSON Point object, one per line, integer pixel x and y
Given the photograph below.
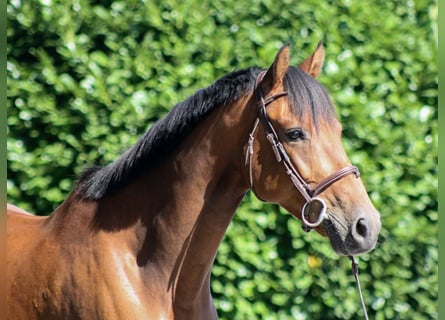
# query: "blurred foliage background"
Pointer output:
{"type": "Point", "coordinates": [86, 78]}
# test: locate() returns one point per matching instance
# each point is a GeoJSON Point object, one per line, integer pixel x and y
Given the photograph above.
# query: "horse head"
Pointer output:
{"type": "Point", "coordinates": [296, 157]}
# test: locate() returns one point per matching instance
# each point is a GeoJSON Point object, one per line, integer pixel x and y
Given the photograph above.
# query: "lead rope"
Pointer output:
{"type": "Point", "coordinates": [357, 281]}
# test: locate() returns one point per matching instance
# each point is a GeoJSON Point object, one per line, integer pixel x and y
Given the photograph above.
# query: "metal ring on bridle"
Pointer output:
{"type": "Point", "coordinates": [321, 214]}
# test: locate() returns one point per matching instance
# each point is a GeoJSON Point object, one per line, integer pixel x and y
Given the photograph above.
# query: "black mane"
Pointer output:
{"type": "Point", "coordinates": [305, 94]}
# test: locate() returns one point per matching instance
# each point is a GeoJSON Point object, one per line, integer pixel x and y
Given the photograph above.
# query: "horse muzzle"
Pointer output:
{"type": "Point", "coordinates": [360, 236]}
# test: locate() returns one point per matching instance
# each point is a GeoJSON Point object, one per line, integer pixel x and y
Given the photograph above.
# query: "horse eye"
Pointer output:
{"type": "Point", "coordinates": [295, 134]}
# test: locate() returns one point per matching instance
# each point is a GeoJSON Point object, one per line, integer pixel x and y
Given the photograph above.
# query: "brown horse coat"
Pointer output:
{"type": "Point", "coordinates": [133, 243]}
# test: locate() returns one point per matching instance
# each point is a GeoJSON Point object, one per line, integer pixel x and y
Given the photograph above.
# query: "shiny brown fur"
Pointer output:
{"type": "Point", "coordinates": [145, 250]}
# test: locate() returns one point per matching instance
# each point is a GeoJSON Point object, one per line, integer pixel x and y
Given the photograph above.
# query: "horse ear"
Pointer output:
{"type": "Point", "coordinates": [313, 64]}
{"type": "Point", "coordinates": [275, 74]}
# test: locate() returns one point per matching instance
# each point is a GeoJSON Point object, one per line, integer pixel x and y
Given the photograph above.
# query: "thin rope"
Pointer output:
{"type": "Point", "coordinates": [357, 281]}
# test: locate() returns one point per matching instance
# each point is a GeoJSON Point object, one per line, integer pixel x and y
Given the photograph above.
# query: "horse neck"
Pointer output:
{"type": "Point", "coordinates": [175, 217]}
{"type": "Point", "coordinates": [205, 185]}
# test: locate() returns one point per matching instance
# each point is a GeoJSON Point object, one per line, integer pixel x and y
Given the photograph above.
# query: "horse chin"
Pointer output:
{"type": "Point", "coordinates": [336, 238]}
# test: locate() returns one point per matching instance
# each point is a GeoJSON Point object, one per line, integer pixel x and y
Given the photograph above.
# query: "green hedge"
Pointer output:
{"type": "Point", "coordinates": [86, 78]}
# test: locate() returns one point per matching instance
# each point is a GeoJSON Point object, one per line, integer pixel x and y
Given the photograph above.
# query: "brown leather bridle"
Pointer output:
{"type": "Point", "coordinates": [313, 211]}
{"type": "Point", "coordinates": [313, 206]}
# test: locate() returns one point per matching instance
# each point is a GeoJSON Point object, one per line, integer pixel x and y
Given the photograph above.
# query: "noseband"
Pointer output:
{"type": "Point", "coordinates": [313, 211]}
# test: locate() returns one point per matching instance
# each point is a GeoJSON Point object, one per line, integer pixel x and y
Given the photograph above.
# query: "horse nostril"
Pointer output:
{"type": "Point", "coordinates": [361, 228]}
{"type": "Point", "coordinates": [362, 234]}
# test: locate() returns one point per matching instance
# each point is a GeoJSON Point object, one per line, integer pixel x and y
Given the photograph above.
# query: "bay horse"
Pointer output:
{"type": "Point", "coordinates": [136, 239]}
